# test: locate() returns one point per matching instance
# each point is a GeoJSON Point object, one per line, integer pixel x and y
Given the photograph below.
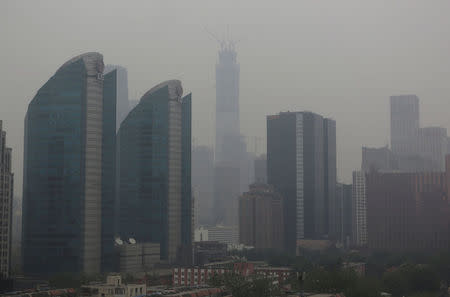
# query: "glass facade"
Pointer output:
{"type": "Point", "coordinates": [108, 169]}
{"type": "Point", "coordinates": [63, 170]}
{"type": "Point", "coordinates": [53, 169]}
{"type": "Point", "coordinates": [155, 170]}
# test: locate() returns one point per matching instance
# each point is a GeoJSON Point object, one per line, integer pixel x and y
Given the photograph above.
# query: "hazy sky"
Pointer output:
{"type": "Point", "coordinates": [339, 58]}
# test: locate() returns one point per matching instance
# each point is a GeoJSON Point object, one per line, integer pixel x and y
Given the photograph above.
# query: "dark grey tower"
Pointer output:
{"type": "Point", "coordinates": [123, 104]}
{"type": "Point", "coordinates": [301, 164]}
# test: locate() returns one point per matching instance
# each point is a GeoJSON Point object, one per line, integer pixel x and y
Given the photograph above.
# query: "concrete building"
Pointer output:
{"type": "Point", "coordinates": [226, 194]}
{"type": "Point", "coordinates": [409, 211]}
{"type": "Point", "coordinates": [359, 209]}
{"type": "Point", "coordinates": [381, 159]}
{"type": "Point", "coordinates": [69, 141]}
{"type": "Point", "coordinates": [155, 170]}
{"type": "Point", "coordinates": [301, 165]}
{"type": "Point", "coordinates": [261, 169]}
{"type": "Point", "coordinates": [133, 257]}
{"type": "Point", "coordinates": [203, 182]}
{"type": "Point", "coordinates": [6, 205]}
{"type": "Point", "coordinates": [122, 103]}
{"type": "Point", "coordinates": [405, 124]}
{"type": "Point", "coordinates": [206, 252]}
{"type": "Point", "coordinates": [341, 217]}
{"type": "Point", "coordinates": [224, 234]}
{"type": "Point", "coordinates": [432, 145]}
{"type": "Point", "coordinates": [228, 139]}
{"type": "Point", "coordinates": [231, 161]}
{"type": "Point", "coordinates": [114, 287]}
{"type": "Point", "coordinates": [261, 218]}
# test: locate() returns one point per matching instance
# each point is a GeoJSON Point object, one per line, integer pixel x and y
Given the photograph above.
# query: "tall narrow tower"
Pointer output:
{"type": "Point", "coordinates": [228, 144]}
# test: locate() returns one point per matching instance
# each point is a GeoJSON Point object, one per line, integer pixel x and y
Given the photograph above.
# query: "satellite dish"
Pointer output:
{"type": "Point", "coordinates": [118, 241]}
{"type": "Point", "coordinates": [132, 241]}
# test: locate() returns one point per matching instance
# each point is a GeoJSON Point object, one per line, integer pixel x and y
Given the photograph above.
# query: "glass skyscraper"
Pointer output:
{"type": "Point", "coordinates": [301, 165]}
{"type": "Point", "coordinates": [69, 150]}
{"type": "Point", "coordinates": [155, 202]}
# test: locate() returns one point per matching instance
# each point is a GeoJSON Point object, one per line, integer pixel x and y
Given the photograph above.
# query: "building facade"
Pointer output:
{"type": "Point", "coordinates": [380, 159]}
{"type": "Point", "coordinates": [64, 143]}
{"type": "Point", "coordinates": [6, 205]}
{"type": "Point", "coordinates": [155, 201]}
{"type": "Point", "coordinates": [301, 165]}
{"type": "Point", "coordinates": [405, 124]}
{"type": "Point", "coordinates": [359, 209]}
{"type": "Point", "coordinates": [408, 211]}
{"type": "Point", "coordinates": [122, 103]}
{"type": "Point", "coordinates": [261, 218]}
{"type": "Point", "coordinates": [432, 146]}
{"type": "Point", "coordinates": [203, 182]}
{"type": "Point", "coordinates": [341, 217]}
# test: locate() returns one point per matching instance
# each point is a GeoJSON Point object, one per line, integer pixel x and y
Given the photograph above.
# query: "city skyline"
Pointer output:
{"type": "Point", "coordinates": [310, 69]}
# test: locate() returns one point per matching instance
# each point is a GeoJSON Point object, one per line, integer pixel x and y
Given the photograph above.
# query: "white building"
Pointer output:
{"type": "Point", "coordinates": [359, 209]}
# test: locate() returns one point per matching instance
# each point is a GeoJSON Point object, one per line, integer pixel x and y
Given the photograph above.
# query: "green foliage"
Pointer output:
{"type": "Point", "coordinates": [411, 278]}
{"type": "Point", "coordinates": [239, 286]}
{"type": "Point", "coordinates": [337, 281]}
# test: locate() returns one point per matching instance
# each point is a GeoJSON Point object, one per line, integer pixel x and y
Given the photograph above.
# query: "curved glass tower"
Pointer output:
{"type": "Point", "coordinates": [63, 169]}
{"type": "Point", "coordinates": [155, 170]}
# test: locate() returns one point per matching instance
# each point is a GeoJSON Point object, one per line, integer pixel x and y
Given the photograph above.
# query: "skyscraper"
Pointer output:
{"type": "Point", "coordinates": [405, 124]}
{"type": "Point", "coordinates": [230, 156]}
{"type": "Point", "coordinates": [123, 104]}
{"type": "Point", "coordinates": [203, 182]}
{"type": "Point", "coordinates": [155, 170]}
{"type": "Point", "coordinates": [301, 166]}
{"type": "Point", "coordinates": [359, 209]}
{"type": "Point", "coordinates": [228, 142]}
{"type": "Point", "coordinates": [69, 129]}
{"type": "Point", "coordinates": [6, 205]}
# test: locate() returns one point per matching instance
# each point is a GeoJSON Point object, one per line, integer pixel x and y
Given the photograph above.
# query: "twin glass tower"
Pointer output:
{"type": "Point", "coordinates": [75, 185]}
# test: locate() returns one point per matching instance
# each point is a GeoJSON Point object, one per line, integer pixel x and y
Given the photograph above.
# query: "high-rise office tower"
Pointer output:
{"type": "Point", "coordinates": [405, 124]}
{"type": "Point", "coordinates": [301, 166]}
{"type": "Point", "coordinates": [69, 135]}
{"type": "Point", "coordinates": [230, 156]}
{"type": "Point", "coordinates": [155, 170]}
{"type": "Point", "coordinates": [123, 104]}
{"type": "Point", "coordinates": [228, 140]}
{"type": "Point", "coordinates": [359, 209]}
{"type": "Point", "coordinates": [6, 205]}
{"type": "Point", "coordinates": [203, 182]}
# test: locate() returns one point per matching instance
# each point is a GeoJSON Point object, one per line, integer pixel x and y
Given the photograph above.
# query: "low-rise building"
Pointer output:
{"type": "Point", "coordinates": [136, 257]}
{"type": "Point", "coordinates": [113, 288]}
{"type": "Point", "coordinates": [209, 251]}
